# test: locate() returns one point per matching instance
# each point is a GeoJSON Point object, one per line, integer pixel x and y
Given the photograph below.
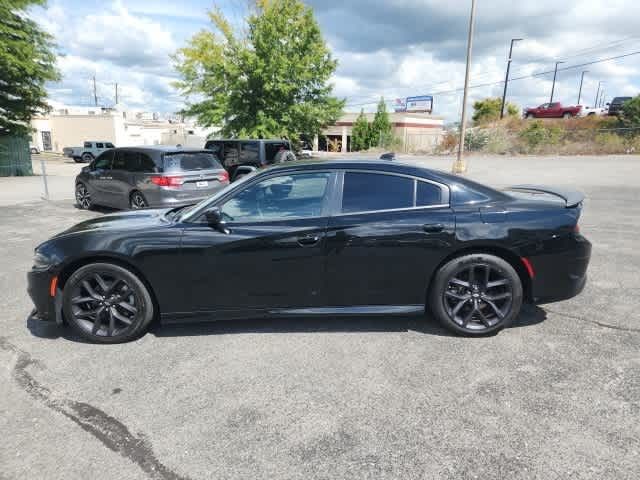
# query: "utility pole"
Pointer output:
{"type": "Point", "coordinates": [95, 92]}
{"type": "Point", "coordinates": [595, 103]}
{"type": "Point", "coordinates": [553, 87]}
{"type": "Point", "coordinates": [601, 98]}
{"type": "Point", "coordinates": [460, 165]}
{"type": "Point", "coordinates": [116, 85]}
{"type": "Point", "coordinates": [506, 77]}
{"type": "Point", "coordinates": [580, 90]}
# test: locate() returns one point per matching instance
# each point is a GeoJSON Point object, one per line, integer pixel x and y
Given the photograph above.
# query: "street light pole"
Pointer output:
{"type": "Point", "coordinates": [595, 103]}
{"type": "Point", "coordinates": [506, 77]}
{"type": "Point", "coordinates": [553, 87]}
{"type": "Point", "coordinates": [580, 90]}
{"type": "Point", "coordinates": [460, 166]}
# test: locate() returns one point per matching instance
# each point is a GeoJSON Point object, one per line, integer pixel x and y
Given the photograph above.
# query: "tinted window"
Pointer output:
{"type": "Point", "coordinates": [109, 145]}
{"type": "Point", "coordinates": [99, 145]}
{"type": "Point", "coordinates": [125, 160]}
{"type": "Point", "coordinates": [231, 154]}
{"type": "Point", "coordinates": [103, 161]}
{"type": "Point", "coordinates": [428, 194]}
{"type": "Point", "coordinates": [145, 164]}
{"type": "Point", "coordinates": [215, 147]}
{"type": "Point", "coordinates": [272, 149]}
{"type": "Point", "coordinates": [87, 144]}
{"type": "Point", "coordinates": [286, 196]}
{"type": "Point", "coordinates": [249, 152]}
{"type": "Point", "coordinates": [364, 192]}
{"type": "Point", "coordinates": [190, 161]}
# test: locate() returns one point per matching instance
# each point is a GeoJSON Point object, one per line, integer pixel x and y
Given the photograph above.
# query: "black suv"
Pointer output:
{"type": "Point", "coordinates": [615, 107]}
{"type": "Point", "coordinates": [241, 157]}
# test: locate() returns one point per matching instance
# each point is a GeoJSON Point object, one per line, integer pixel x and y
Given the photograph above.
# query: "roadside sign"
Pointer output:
{"type": "Point", "coordinates": [423, 103]}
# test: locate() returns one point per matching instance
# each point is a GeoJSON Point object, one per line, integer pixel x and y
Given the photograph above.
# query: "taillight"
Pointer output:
{"type": "Point", "coordinates": [223, 176]}
{"type": "Point", "coordinates": [166, 181]}
{"type": "Point", "coordinates": [576, 229]}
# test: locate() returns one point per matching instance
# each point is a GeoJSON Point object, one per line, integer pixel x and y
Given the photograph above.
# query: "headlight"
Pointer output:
{"type": "Point", "coordinates": [41, 262]}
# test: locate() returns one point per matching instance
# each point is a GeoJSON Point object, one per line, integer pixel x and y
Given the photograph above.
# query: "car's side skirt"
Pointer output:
{"type": "Point", "coordinates": [241, 314]}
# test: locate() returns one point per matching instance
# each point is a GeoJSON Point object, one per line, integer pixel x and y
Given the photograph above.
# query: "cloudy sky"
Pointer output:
{"type": "Point", "coordinates": [393, 48]}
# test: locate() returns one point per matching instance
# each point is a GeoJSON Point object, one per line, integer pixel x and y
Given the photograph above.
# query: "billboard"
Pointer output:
{"type": "Point", "coordinates": [423, 103]}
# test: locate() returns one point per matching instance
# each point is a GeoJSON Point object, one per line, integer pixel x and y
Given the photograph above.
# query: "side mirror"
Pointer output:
{"type": "Point", "coordinates": [216, 220]}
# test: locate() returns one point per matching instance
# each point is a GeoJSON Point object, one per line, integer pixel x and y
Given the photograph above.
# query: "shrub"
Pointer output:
{"type": "Point", "coordinates": [448, 143]}
{"type": "Point", "coordinates": [537, 136]}
{"type": "Point", "coordinates": [475, 140]}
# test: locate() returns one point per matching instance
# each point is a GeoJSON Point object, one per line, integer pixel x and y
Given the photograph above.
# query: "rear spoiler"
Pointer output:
{"type": "Point", "coordinates": [572, 198]}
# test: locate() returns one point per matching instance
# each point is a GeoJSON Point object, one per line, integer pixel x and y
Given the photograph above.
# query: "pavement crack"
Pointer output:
{"type": "Point", "coordinates": [112, 433]}
{"type": "Point", "coordinates": [594, 322]}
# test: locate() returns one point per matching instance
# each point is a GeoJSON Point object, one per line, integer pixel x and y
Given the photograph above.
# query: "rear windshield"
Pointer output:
{"type": "Point", "coordinates": [190, 161]}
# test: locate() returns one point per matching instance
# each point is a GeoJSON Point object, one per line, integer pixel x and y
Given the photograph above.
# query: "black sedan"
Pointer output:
{"type": "Point", "coordinates": [318, 238]}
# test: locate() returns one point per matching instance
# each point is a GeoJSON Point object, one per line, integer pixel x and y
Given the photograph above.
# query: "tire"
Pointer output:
{"type": "Point", "coordinates": [77, 159]}
{"type": "Point", "coordinates": [122, 314]}
{"type": "Point", "coordinates": [87, 157]}
{"type": "Point", "coordinates": [566, 115]}
{"type": "Point", "coordinates": [137, 201]}
{"type": "Point", "coordinates": [529, 116]}
{"type": "Point", "coordinates": [477, 311]}
{"type": "Point", "coordinates": [83, 197]}
{"type": "Point", "coordinates": [34, 151]}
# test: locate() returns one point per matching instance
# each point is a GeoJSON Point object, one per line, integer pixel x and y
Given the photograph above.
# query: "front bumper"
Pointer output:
{"type": "Point", "coordinates": [562, 274]}
{"type": "Point", "coordinates": [47, 308]}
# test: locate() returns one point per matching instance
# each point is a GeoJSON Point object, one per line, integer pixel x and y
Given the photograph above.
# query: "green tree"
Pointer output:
{"type": "Point", "coordinates": [380, 130]}
{"type": "Point", "coordinates": [360, 135]}
{"type": "Point", "coordinates": [272, 81]}
{"type": "Point", "coordinates": [630, 117]}
{"type": "Point", "coordinates": [27, 62]}
{"type": "Point", "coordinates": [488, 110]}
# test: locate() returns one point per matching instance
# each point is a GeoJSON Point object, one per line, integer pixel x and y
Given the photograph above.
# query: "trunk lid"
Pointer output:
{"type": "Point", "coordinates": [541, 193]}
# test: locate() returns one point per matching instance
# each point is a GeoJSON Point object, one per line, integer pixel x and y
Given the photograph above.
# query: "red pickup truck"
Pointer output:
{"type": "Point", "coordinates": [552, 110]}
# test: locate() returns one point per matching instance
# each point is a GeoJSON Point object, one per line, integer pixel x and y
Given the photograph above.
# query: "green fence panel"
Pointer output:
{"type": "Point", "coordinates": [15, 156]}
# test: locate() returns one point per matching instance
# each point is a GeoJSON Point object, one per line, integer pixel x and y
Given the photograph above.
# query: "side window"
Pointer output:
{"type": "Point", "coordinates": [279, 198]}
{"type": "Point", "coordinates": [87, 145]}
{"type": "Point", "coordinates": [363, 192]}
{"type": "Point", "coordinates": [271, 149]}
{"type": "Point", "coordinates": [126, 160]}
{"type": "Point", "coordinates": [428, 194]}
{"type": "Point", "coordinates": [231, 154]}
{"type": "Point", "coordinates": [103, 162]}
{"type": "Point", "coordinates": [249, 152]}
{"type": "Point", "coordinates": [109, 145]}
{"type": "Point", "coordinates": [99, 145]}
{"type": "Point", "coordinates": [145, 164]}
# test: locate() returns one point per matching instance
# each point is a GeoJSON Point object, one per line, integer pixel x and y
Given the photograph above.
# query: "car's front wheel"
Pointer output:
{"type": "Point", "coordinates": [476, 294]}
{"type": "Point", "coordinates": [106, 303]}
{"type": "Point", "coordinates": [83, 198]}
{"type": "Point", "coordinates": [137, 201]}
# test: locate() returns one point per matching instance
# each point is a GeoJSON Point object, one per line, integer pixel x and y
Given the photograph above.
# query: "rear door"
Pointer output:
{"type": "Point", "coordinates": [389, 235]}
{"type": "Point", "coordinates": [125, 163]}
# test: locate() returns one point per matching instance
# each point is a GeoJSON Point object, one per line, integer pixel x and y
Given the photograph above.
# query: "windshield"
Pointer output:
{"type": "Point", "coordinates": [190, 161]}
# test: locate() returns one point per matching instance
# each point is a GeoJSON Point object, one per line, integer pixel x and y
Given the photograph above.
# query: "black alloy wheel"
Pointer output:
{"type": "Point", "coordinates": [83, 198]}
{"type": "Point", "coordinates": [138, 201]}
{"type": "Point", "coordinates": [476, 294]}
{"type": "Point", "coordinates": [106, 303]}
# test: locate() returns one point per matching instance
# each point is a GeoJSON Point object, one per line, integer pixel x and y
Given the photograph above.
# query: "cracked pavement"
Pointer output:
{"type": "Point", "coordinates": [556, 396]}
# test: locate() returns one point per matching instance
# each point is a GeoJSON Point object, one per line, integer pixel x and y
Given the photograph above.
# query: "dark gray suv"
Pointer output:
{"type": "Point", "coordinates": [159, 176]}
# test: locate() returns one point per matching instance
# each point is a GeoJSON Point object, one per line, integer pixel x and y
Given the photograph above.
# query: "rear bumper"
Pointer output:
{"type": "Point", "coordinates": [165, 197]}
{"type": "Point", "coordinates": [47, 308]}
{"type": "Point", "coordinates": [563, 274]}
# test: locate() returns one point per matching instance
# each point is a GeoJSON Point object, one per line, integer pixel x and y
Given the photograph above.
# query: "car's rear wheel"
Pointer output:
{"type": "Point", "coordinates": [476, 294]}
{"type": "Point", "coordinates": [106, 303]}
{"type": "Point", "coordinates": [529, 116]}
{"type": "Point", "coordinates": [566, 115]}
{"type": "Point", "coordinates": [83, 198]}
{"type": "Point", "coordinates": [137, 201]}
{"type": "Point", "coordinates": [87, 157]}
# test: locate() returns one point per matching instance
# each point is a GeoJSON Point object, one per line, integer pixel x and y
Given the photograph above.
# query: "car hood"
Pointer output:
{"type": "Point", "coordinates": [121, 221]}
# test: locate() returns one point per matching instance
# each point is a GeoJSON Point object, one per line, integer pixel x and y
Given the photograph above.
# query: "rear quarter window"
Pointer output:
{"type": "Point", "coordinates": [190, 161]}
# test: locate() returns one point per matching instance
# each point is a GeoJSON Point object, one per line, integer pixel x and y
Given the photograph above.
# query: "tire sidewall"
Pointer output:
{"type": "Point", "coordinates": [131, 197]}
{"type": "Point", "coordinates": [78, 185]}
{"type": "Point", "coordinates": [87, 157]}
{"type": "Point", "coordinates": [141, 291]}
{"type": "Point", "coordinates": [441, 280]}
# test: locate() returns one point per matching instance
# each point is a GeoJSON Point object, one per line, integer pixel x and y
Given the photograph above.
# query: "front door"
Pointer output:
{"type": "Point", "coordinates": [273, 253]}
{"type": "Point", "coordinates": [391, 233]}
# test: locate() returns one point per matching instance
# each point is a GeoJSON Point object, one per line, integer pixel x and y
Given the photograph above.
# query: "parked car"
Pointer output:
{"type": "Point", "coordinates": [319, 238]}
{"type": "Point", "coordinates": [33, 149]}
{"type": "Point", "coordinates": [552, 110]}
{"type": "Point", "coordinates": [241, 157]}
{"type": "Point", "coordinates": [591, 111]}
{"type": "Point", "coordinates": [87, 152]}
{"type": "Point", "coordinates": [615, 107]}
{"type": "Point", "coordinates": [158, 176]}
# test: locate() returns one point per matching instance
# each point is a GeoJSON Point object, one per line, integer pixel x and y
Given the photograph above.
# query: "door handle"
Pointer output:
{"type": "Point", "coordinates": [308, 240]}
{"type": "Point", "coordinates": [433, 227]}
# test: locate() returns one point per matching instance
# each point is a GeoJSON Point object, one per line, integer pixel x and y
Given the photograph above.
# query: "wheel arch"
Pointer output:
{"type": "Point", "coordinates": [74, 265]}
{"type": "Point", "coordinates": [501, 252]}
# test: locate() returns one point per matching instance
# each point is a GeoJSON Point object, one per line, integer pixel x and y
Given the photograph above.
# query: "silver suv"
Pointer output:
{"type": "Point", "coordinates": [159, 176]}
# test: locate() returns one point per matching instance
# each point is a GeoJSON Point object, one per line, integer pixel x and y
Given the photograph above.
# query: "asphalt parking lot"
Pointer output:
{"type": "Point", "coordinates": [557, 396]}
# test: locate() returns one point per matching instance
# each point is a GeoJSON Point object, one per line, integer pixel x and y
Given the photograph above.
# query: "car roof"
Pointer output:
{"type": "Point", "coordinates": [162, 149]}
{"type": "Point", "coordinates": [266, 140]}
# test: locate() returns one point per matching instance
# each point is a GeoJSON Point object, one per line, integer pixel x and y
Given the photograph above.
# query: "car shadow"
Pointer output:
{"type": "Point", "coordinates": [529, 316]}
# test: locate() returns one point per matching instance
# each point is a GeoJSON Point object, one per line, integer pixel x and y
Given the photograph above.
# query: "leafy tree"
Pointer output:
{"type": "Point", "coordinates": [488, 110]}
{"type": "Point", "coordinates": [380, 130]}
{"type": "Point", "coordinates": [360, 133]}
{"type": "Point", "coordinates": [27, 61]}
{"type": "Point", "coordinates": [630, 117]}
{"type": "Point", "coordinates": [272, 81]}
